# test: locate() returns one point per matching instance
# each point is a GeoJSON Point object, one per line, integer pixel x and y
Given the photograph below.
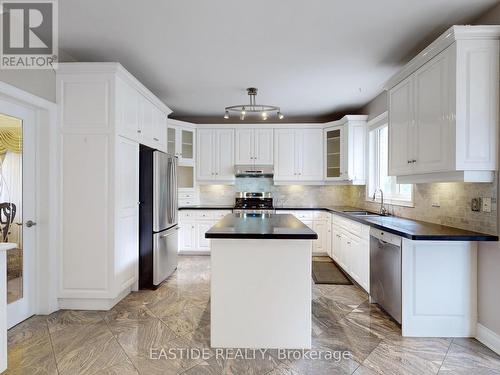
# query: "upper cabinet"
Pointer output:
{"type": "Point", "coordinates": [345, 145]}
{"type": "Point", "coordinates": [443, 110]}
{"type": "Point", "coordinates": [181, 141]}
{"type": "Point", "coordinates": [298, 155]}
{"type": "Point", "coordinates": [215, 155]}
{"type": "Point", "coordinates": [138, 118]}
{"type": "Point", "coordinates": [254, 146]}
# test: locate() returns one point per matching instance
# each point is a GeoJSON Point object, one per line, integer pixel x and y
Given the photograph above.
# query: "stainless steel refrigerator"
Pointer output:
{"type": "Point", "coordinates": [158, 229]}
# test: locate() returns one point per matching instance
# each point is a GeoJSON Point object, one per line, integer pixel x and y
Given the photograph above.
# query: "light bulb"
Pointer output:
{"type": "Point", "coordinates": [243, 112]}
{"type": "Point", "coordinates": [264, 115]}
{"type": "Point", "coordinates": [280, 115]}
{"type": "Point", "coordinates": [226, 115]}
{"type": "Point", "coordinates": [242, 116]}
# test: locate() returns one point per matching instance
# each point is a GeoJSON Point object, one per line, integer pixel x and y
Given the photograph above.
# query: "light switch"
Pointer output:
{"type": "Point", "coordinates": [486, 204]}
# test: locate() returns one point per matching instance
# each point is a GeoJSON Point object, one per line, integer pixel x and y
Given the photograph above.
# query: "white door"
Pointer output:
{"type": "Point", "coordinates": [263, 139]}
{"type": "Point", "coordinates": [147, 120]}
{"type": "Point", "coordinates": [433, 133]}
{"type": "Point", "coordinates": [128, 111]}
{"type": "Point", "coordinates": [310, 152]}
{"type": "Point", "coordinates": [186, 146]}
{"type": "Point", "coordinates": [202, 228]}
{"type": "Point", "coordinates": [205, 154]}
{"type": "Point", "coordinates": [322, 229]}
{"type": "Point", "coordinates": [188, 236]}
{"type": "Point", "coordinates": [127, 165]}
{"type": "Point", "coordinates": [401, 128]}
{"type": "Point", "coordinates": [284, 155]}
{"type": "Point", "coordinates": [225, 154]}
{"type": "Point", "coordinates": [18, 188]}
{"type": "Point", "coordinates": [244, 146]}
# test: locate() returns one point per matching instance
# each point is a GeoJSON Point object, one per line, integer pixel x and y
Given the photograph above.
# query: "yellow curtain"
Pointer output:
{"type": "Point", "coordinates": [11, 139]}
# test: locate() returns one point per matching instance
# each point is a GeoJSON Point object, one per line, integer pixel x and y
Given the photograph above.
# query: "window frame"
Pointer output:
{"type": "Point", "coordinates": [374, 125]}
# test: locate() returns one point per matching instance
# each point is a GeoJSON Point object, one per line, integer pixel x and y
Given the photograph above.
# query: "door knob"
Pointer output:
{"type": "Point", "coordinates": [30, 223]}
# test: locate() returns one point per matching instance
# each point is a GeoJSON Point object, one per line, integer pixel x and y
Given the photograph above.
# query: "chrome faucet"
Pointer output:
{"type": "Point", "coordinates": [383, 210]}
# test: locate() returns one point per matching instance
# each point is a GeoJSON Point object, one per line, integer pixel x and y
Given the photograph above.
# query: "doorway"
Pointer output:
{"type": "Point", "coordinates": [17, 207]}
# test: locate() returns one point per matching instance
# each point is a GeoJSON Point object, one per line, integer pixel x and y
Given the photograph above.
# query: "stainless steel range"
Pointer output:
{"type": "Point", "coordinates": [253, 203]}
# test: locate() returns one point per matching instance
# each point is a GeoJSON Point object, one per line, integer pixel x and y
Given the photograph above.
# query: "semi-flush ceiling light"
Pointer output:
{"type": "Point", "coordinates": [253, 107]}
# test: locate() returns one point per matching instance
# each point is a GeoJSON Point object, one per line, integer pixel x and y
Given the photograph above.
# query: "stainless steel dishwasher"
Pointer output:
{"type": "Point", "coordinates": [385, 272]}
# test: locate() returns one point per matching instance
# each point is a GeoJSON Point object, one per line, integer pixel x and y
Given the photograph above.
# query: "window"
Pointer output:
{"type": "Point", "coordinates": [378, 167]}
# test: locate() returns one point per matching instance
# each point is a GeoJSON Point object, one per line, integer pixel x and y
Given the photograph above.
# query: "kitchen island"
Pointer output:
{"type": "Point", "coordinates": [261, 282]}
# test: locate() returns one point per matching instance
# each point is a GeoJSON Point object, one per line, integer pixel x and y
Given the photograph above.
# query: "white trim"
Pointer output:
{"type": "Point", "coordinates": [378, 121]}
{"type": "Point", "coordinates": [102, 304]}
{"type": "Point", "coordinates": [262, 125]}
{"type": "Point", "coordinates": [453, 176]}
{"type": "Point", "coordinates": [446, 39]}
{"type": "Point", "coordinates": [488, 337]}
{"type": "Point", "coordinates": [46, 253]}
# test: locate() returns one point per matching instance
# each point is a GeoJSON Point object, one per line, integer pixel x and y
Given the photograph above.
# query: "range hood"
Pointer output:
{"type": "Point", "coordinates": [254, 171]}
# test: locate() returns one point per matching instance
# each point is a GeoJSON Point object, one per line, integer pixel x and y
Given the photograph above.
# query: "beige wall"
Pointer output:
{"type": "Point", "coordinates": [40, 82]}
{"type": "Point", "coordinates": [489, 253]}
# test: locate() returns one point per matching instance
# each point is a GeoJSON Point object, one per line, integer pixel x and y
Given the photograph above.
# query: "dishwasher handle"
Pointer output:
{"type": "Point", "coordinates": [385, 237]}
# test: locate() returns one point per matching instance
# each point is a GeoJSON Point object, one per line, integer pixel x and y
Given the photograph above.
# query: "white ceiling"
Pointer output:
{"type": "Point", "coordinates": [313, 58]}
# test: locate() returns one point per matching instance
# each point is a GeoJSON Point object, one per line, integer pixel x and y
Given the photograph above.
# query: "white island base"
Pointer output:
{"type": "Point", "coordinates": [261, 293]}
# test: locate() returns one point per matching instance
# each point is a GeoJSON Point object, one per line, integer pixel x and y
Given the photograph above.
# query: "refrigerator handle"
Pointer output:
{"type": "Point", "coordinates": [169, 186]}
{"type": "Point", "coordinates": [175, 187]}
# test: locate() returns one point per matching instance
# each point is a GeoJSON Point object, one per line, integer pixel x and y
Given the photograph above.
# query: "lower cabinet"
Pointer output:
{"type": "Point", "coordinates": [193, 226]}
{"type": "Point", "coordinates": [320, 222]}
{"type": "Point", "coordinates": [351, 249]}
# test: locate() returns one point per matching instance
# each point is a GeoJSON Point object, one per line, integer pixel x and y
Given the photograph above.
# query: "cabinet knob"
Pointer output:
{"type": "Point", "coordinates": [413, 161]}
{"type": "Point", "coordinates": [139, 131]}
{"type": "Point", "coordinates": [408, 161]}
{"type": "Point", "coordinates": [156, 139]}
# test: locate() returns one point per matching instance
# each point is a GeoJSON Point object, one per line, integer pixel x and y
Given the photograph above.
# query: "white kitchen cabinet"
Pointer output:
{"type": "Point", "coordinates": [254, 146]}
{"type": "Point", "coordinates": [322, 244]}
{"type": "Point", "coordinates": [153, 126]}
{"type": "Point", "coordinates": [318, 221]}
{"type": "Point", "coordinates": [443, 110]}
{"type": "Point", "coordinates": [101, 109]}
{"type": "Point", "coordinates": [345, 150]}
{"type": "Point", "coordinates": [215, 155]}
{"type": "Point", "coordinates": [194, 224]}
{"type": "Point", "coordinates": [187, 236]}
{"type": "Point", "coordinates": [298, 155]}
{"type": "Point", "coordinates": [181, 141]}
{"type": "Point", "coordinates": [351, 249]}
{"type": "Point", "coordinates": [400, 128]}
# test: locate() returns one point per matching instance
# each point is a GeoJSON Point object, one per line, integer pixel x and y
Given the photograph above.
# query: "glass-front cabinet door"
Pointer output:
{"type": "Point", "coordinates": [171, 141]}
{"type": "Point", "coordinates": [334, 153]}
{"type": "Point", "coordinates": [187, 144]}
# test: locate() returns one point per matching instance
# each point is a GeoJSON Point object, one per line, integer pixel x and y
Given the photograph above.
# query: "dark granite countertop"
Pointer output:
{"type": "Point", "coordinates": [207, 207]}
{"type": "Point", "coordinates": [283, 226]}
{"type": "Point", "coordinates": [412, 229]}
{"type": "Point", "coordinates": [408, 228]}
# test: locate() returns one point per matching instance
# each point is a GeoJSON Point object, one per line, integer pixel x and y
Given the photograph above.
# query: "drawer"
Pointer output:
{"type": "Point", "coordinates": [186, 195]}
{"type": "Point", "coordinates": [186, 202]}
{"type": "Point", "coordinates": [358, 229]}
{"type": "Point", "coordinates": [321, 215]}
{"type": "Point", "coordinates": [219, 214]}
{"type": "Point", "coordinates": [303, 215]}
{"type": "Point", "coordinates": [187, 215]}
{"type": "Point", "coordinates": [203, 215]}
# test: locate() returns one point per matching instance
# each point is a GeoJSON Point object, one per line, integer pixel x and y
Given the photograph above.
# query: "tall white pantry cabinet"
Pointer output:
{"type": "Point", "coordinates": [104, 116]}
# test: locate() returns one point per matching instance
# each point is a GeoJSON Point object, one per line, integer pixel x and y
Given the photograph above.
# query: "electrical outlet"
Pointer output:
{"type": "Point", "coordinates": [486, 204]}
{"type": "Point", "coordinates": [475, 204]}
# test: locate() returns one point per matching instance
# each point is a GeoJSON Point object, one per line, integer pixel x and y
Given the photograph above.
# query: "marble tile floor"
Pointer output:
{"type": "Point", "coordinates": [177, 317]}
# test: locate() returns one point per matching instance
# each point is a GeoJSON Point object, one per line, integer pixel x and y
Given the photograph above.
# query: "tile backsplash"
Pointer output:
{"type": "Point", "coordinates": [453, 200]}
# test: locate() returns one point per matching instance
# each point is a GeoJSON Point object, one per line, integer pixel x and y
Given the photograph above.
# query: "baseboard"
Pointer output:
{"type": "Point", "coordinates": [488, 338]}
{"type": "Point", "coordinates": [102, 304]}
{"type": "Point", "coordinates": [202, 252]}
